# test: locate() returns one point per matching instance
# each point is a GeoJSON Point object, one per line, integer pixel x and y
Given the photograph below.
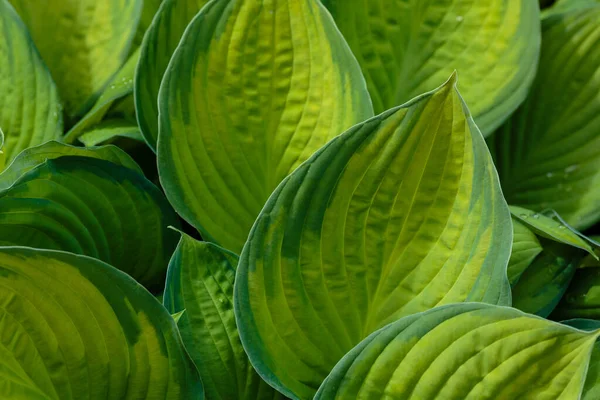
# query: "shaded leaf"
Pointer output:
{"type": "Point", "coordinates": [582, 298]}
{"type": "Point", "coordinates": [110, 130]}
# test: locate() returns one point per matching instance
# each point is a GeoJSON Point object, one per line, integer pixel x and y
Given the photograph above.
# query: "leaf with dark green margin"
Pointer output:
{"type": "Point", "coordinates": [397, 215]}
{"type": "Point", "coordinates": [546, 279]}
{"type": "Point", "coordinates": [75, 328]}
{"type": "Point", "coordinates": [120, 86]}
{"type": "Point", "coordinates": [525, 249]}
{"type": "Point", "coordinates": [200, 281]}
{"type": "Point", "coordinates": [110, 130]}
{"type": "Point", "coordinates": [465, 351]}
{"type": "Point", "coordinates": [30, 110]}
{"type": "Point", "coordinates": [92, 207]}
{"type": "Point", "coordinates": [227, 139]}
{"type": "Point", "coordinates": [548, 153]}
{"type": "Point", "coordinates": [158, 47]}
{"type": "Point", "coordinates": [582, 298]}
{"type": "Point", "coordinates": [591, 390]}
{"type": "Point", "coordinates": [407, 47]}
{"type": "Point", "coordinates": [83, 42]}
{"type": "Point", "coordinates": [34, 156]}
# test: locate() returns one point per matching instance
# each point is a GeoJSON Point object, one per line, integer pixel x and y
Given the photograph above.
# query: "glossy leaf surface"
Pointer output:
{"type": "Point", "coordinates": [76, 328]}
{"type": "Point", "coordinates": [465, 352]}
{"type": "Point", "coordinates": [395, 216]}
{"type": "Point", "coordinates": [200, 281]}
{"type": "Point", "coordinates": [30, 110]}
{"type": "Point", "coordinates": [408, 47]}
{"type": "Point", "coordinates": [254, 88]}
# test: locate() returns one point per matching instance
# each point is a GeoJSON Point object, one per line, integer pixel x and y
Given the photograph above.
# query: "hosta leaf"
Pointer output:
{"type": "Point", "coordinates": [253, 90]}
{"type": "Point", "coordinates": [543, 283]}
{"type": "Point", "coordinates": [200, 281]}
{"type": "Point", "coordinates": [591, 390]}
{"type": "Point", "coordinates": [120, 86]}
{"type": "Point", "coordinates": [110, 130]}
{"type": "Point", "coordinates": [30, 111]}
{"type": "Point", "coordinates": [465, 351]}
{"type": "Point", "coordinates": [549, 228]}
{"type": "Point", "coordinates": [407, 47]}
{"type": "Point", "coordinates": [548, 153]}
{"type": "Point", "coordinates": [83, 42]}
{"type": "Point", "coordinates": [582, 298]}
{"type": "Point", "coordinates": [34, 156]}
{"type": "Point", "coordinates": [76, 328]}
{"type": "Point", "coordinates": [525, 249]}
{"type": "Point", "coordinates": [158, 47]}
{"type": "Point", "coordinates": [395, 216]}
{"type": "Point", "coordinates": [92, 207]}
{"type": "Point", "coordinates": [148, 12]}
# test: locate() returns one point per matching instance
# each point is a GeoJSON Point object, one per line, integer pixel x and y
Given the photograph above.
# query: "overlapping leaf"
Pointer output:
{"type": "Point", "coordinates": [253, 90]}
{"type": "Point", "coordinates": [93, 207]}
{"type": "Point", "coordinates": [582, 298]}
{"type": "Point", "coordinates": [76, 328]}
{"type": "Point", "coordinates": [200, 281]}
{"type": "Point", "coordinates": [395, 216]}
{"type": "Point", "coordinates": [109, 131]}
{"type": "Point", "coordinates": [591, 390]}
{"type": "Point", "coordinates": [158, 47]}
{"type": "Point", "coordinates": [30, 111]}
{"type": "Point", "coordinates": [407, 47]}
{"type": "Point", "coordinates": [465, 351]}
{"type": "Point", "coordinates": [525, 249]}
{"type": "Point", "coordinates": [83, 42]}
{"type": "Point", "coordinates": [548, 153]}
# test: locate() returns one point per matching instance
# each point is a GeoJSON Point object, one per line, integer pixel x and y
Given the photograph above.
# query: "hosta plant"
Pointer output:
{"type": "Point", "coordinates": [299, 199]}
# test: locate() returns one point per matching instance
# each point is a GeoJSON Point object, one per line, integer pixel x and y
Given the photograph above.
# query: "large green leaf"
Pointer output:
{"type": "Point", "coordinates": [158, 47]}
{"type": "Point", "coordinates": [83, 42]}
{"type": "Point", "coordinates": [465, 352]}
{"type": "Point", "coordinates": [34, 156]}
{"type": "Point", "coordinates": [397, 215]}
{"type": "Point", "coordinates": [120, 86]}
{"type": "Point", "coordinates": [253, 90]}
{"type": "Point", "coordinates": [543, 283]}
{"type": "Point", "coordinates": [76, 328]}
{"type": "Point", "coordinates": [525, 249]}
{"type": "Point", "coordinates": [591, 390]}
{"type": "Point", "coordinates": [548, 153]}
{"type": "Point", "coordinates": [200, 281]}
{"type": "Point", "coordinates": [407, 47]}
{"type": "Point", "coordinates": [93, 207]}
{"type": "Point", "coordinates": [30, 111]}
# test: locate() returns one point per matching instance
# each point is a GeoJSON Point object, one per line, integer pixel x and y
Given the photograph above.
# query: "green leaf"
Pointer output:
{"type": "Point", "coordinates": [148, 12]}
{"type": "Point", "coordinates": [397, 215]}
{"type": "Point", "coordinates": [158, 47]}
{"type": "Point", "coordinates": [525, 249]}
{"type": "Point", "coordinates": [110, 130]}
{"type": "Point", "coordinates": [465, 351]}
{"type": "Point", "coordinates": [407, 47]}
{"type": "Point", "coordinates": [546, 279]}
{"type": "Point", "coordinates": [591, 390]}
{"type": "Point", "coordinates": [30, 111]}
{"type": "Point", "coordinates": [200, 281]}
{"type": "Point", "coordinates": [34, 156]}
{"type": "Point", "coordinates": [548, 153]}
{"type": "Point", "coordinates": [549, 228]}
{"type": "Point", "coordinates": [227, 139]}
{"type": "Point", "coordinates": [83, 42]}
{"type": "Point", "coordinates": [76, 328]}
{"type": "Point", "coordinates": [93, 207]}
{"type": "Point", "coordinates": [120, 86]}
{"type": "Point", "coordinates": [582, 298]}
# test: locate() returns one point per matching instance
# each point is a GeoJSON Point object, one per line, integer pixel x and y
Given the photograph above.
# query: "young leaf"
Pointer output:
{"type": "Point", "coordinates": [407, 47]}
{"type": "Point", "coordinates": [200, 281]}
{"type": "Point", "coordinates": [34, 156]}
{"type": "Point", "coordinates": [254, 88]}
{"type": "Point", "coordinates": [83, 42]}
{"type": "Point", "coordinates": [76, 328]}
{"type": "Point", "coordinates": [465, 351]}
{"type": "Point", "coordinates": [548, 153]}
{"type": "Point", "coordinates": [157, 48]}
{"type": "Point", "coordinates": [525, 249]}
{"type": "Point", "coordinates": [30, 111]}
{"type": "Point", "coordinates": [110, 130]}
{"type": "Point", "coordinates": [397, 215]}
{"type": "Point", "coordinates": [92, 207]}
